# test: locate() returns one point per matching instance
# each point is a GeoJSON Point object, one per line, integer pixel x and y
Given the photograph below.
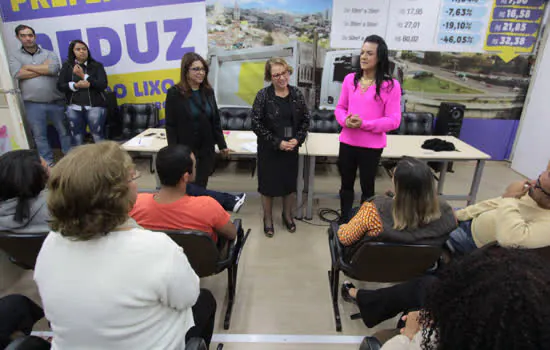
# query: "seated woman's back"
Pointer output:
{"type": "Point", "coordinates": [23, 177]}
{"type": "Point", "coordinates": [104, 282]}
{"type": "Point", "coordinates": [415, 216]}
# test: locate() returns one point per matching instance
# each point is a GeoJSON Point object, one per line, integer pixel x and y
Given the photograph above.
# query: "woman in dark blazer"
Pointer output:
{"type": "Point", "coordinates": [192, 116]}
{"type": "Point", "coordinates": [280, 119]}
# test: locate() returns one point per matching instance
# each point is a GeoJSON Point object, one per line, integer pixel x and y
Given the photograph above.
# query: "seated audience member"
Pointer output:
{"type": "Point", "coordinates": [520, 218]}
{"type": "Point", "coordinates": [494, 298]}
{"type": "Point", "coordinates": [104, 283]}
{"type": "Point", "coordinates": [18, 314]}
{"type": "Point", "coordinates": [171, 208]}
{"type": "Point", "coordinates": [414, 216]}
{"type": "Point", "coordinates": [23, 176]}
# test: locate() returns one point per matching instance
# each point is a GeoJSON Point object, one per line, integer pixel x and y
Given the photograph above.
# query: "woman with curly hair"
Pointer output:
{"type": "Point", "coordinates": [495, 298]}
{"type": "Point", "coordinates": [105, 283]}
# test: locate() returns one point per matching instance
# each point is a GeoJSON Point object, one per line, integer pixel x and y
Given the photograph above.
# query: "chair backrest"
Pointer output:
{"type": "Point", "coordinates": [23, 248]}
{"type": "Point", "coordinates": [137, 118]}
{"type": "Point", "coordinates": [324, 121]}
{"type": "Point", "coordinates": [415, 123]}
{"type": "Point", "coordinates": [391, 262]}
{"type": "Point", "coordinates": [200, 249]}
{"type": "Point", "coordinates": [235, 118]}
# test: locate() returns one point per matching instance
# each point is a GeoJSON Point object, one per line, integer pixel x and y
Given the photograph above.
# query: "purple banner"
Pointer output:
{"type": "Point", "coordinates": [22, 10]}
{"type": "Point", "coordinates": [513, 27]}
{"type": "Point", "coordinates": [517, 13]}
{"type": "Point", "coordinates": [510, 40]}
{"type": "Point", "coordinates": [531, 3]}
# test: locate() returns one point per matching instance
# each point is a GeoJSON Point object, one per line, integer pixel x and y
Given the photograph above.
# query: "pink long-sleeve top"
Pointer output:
{"type": "Point", "coordinates": [378, 115]}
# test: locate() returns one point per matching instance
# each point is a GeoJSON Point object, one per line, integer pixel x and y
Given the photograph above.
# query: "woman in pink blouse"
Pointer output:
{"type": "Point", "coordinates": [369, 106]}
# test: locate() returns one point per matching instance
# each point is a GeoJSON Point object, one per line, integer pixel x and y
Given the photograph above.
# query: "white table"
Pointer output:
{"type": "Point", "coordinates": [242, 143]}
{"type": "Point", "coordinates": [327, 145]}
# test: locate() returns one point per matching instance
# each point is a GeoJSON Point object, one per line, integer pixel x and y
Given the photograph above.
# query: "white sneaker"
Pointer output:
{"type": "Point", "coordinates": [240, 201]}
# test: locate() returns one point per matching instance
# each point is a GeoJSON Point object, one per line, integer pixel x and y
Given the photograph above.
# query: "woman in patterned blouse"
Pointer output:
{"type": "Point", "coordinates": [414, 215]}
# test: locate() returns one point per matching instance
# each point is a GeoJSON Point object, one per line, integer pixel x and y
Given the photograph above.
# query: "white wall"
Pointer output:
{"type": "Point", "coordinates": [532, 150]}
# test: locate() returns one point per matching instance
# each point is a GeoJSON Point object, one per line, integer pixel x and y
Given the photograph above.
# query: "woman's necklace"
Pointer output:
{"type": "Point", "coordinates": [365, 83]}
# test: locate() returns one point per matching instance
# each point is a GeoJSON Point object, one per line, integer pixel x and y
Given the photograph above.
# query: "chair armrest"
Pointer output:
{"type": "Point", "coordinates": [195, 344]}
{"type": "Point", "coordinates": [333, 229]}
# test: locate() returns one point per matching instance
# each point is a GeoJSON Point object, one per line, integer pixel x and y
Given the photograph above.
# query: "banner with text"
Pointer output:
{"type": "Point", "coordinates": [140, 43]}
{"type": "Point", "coordinates": [504, 27]}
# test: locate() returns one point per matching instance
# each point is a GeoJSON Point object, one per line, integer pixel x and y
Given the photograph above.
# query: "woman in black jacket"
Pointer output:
{"type": "Point", "coordinates": [83, 80]}
{"type": "Point", "coordinates": [192, 116]}
{"type": "Point", "coordinates": [280, 119]}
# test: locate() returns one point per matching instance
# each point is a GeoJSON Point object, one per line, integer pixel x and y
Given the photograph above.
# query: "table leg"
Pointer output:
{"type": "Point", "coordinates": [311, 178]}
{"type": "Point", "coordinates": [476, 181]}
{"type": "Point", "coordinates": [157, 180]}
{"type": "Point", "coordinates": [300, 189]}
{"type": "Point", "coordinates": [442, 176]}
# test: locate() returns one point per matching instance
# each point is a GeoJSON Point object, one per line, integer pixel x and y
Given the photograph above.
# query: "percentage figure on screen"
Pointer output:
{"type": "Point", "coordinates": [459, 12]}
{"type": "Point", "coordinates": [457, 25]}
{"type": "Point", "coordinates": [457, 39]}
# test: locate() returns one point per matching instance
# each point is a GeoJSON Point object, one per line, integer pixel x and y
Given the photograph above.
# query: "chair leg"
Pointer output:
{"type": "Point", "coordinates": [231, 280]}
{"type": "Point", "coordinates": [333, 277]}
{"type": "Point", "coordinates": [356, 316]}
{"type": "Point", "coordinates": [151, 167]}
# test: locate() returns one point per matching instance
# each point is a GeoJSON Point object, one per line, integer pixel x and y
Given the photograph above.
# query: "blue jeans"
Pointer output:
{"type": "Point", "coordinates": [461, 240]}
{"type": "Point", "coordinates": [227, 200]}
{"type": "Point", "coordinates": [38, 115]}
{"type": "Point", "coordinates": [78, 120]}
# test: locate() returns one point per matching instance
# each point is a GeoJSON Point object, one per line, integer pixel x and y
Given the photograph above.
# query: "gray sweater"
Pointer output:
{"type": "Point", "coordinates": [37, 221]}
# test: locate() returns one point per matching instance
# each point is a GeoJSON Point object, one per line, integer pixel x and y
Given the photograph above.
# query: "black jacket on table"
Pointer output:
{"type": "Point", "coordinates": [265, 112]}
{"type": "Point", "coordinates": [179, 123]}
{"type": "Point", "coordinates": [93, 96]}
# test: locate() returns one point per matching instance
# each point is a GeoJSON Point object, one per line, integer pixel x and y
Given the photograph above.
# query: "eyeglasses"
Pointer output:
{"type": "Point", "coordinates": [135, 176]}
{"type": "Point", "coordinates": [198, 69]}
{"type": "Point", "coordinates": [538, 186]}
{"type": "Point", "coordinates": [277, 76]}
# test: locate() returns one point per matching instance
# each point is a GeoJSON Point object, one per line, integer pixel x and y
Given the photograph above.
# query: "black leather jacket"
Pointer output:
{"type": "Point", "coordinates": [93, 96]}
{"type": "Point", "coordinates": [265, 118]}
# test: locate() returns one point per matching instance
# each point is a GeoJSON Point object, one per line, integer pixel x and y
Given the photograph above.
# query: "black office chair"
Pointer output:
{"type": "Point", "coordinates": [207, 260]}
{"type": "Point", "coordinates": [370, 343]}
{"type": "Point", "coordinates": [22, 248]}
{"type": "Point", "coordinates": [376, 262]}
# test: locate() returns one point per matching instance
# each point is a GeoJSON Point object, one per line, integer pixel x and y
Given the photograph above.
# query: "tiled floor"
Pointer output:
{"type": "Point", "coordinates": [282, 284]}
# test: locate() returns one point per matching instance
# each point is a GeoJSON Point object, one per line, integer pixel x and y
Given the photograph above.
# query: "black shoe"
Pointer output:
{"type": "Point", "coordinates": [269, 231]}
{"type": "Point", "coordinates": [346, 286]}
{"type": "Point", "coordinates": [290, 226]}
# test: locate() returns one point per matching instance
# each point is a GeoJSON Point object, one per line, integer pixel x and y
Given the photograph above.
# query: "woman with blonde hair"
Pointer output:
{"type": "Point", "coordinates": [414, 215]}
{"type": "Point", "coordinates": [280, 119]}
{"type": "Point", "coordinates": [105, 282]}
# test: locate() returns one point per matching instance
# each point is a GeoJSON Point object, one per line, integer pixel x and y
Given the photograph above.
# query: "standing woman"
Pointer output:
{"type": "Point", "coordinates": [369, 106]}
{"type": "Point", "coordinates": [280, 119]}
{"type": "Point", "coordinates": [192, 116]}
{"type": "Point", "coordinates": [83, 80]}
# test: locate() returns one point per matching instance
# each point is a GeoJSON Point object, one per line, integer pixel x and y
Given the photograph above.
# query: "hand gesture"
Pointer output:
{"type": "Point", "coordinates": [517, 189]}
{"type": "Point", "coordinates": [412, 325]}
{"type": "Point", "coordinates": [77, 70]}
{"type": "Point", "coordinates": [82, 84]}
{"type": "Point", "coordinates": [353, 121]}
{"type": "Point", "coordinates": [226, 152]}
{"type": "Point", "coordinates": [293, 142]}
{"type": "Point", "coordinates": [286, 146]}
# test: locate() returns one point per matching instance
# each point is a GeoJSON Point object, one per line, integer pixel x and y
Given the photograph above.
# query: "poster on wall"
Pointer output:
{"type": "Point", "coordinates": [140, 43]}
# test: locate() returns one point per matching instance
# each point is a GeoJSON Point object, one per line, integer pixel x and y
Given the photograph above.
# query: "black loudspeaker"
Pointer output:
{"type": "Point", "coordinates": [449, 119]}
{"type": "Point", "coordinates": [449, 122]}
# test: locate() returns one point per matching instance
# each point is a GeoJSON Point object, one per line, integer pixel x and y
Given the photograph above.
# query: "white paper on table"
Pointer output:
{"type": "Point", "coordinates": [246, 136]}
{"type": "Point", "coordinates": [140, 142]}
{"type": "Point", "coordinates": [250, 147]}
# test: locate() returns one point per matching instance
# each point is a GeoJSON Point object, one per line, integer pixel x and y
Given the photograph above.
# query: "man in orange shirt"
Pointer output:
{"type": "Point", "coordinates": [171, 208]}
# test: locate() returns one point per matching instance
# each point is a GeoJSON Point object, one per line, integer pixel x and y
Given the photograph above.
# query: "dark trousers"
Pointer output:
{"type": "Point", "coordinates": [204, 166]}
{"type": "Point", "coordinates": [17, 314]}
{"type": "Point", "coordinates": [204, 312]}
{"type": "Point", "coordinates": [227, 200]}
{"type": "Point", "coordinates": [349, 159]}
{"type": "Point", "coordinates": [382, 304]}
